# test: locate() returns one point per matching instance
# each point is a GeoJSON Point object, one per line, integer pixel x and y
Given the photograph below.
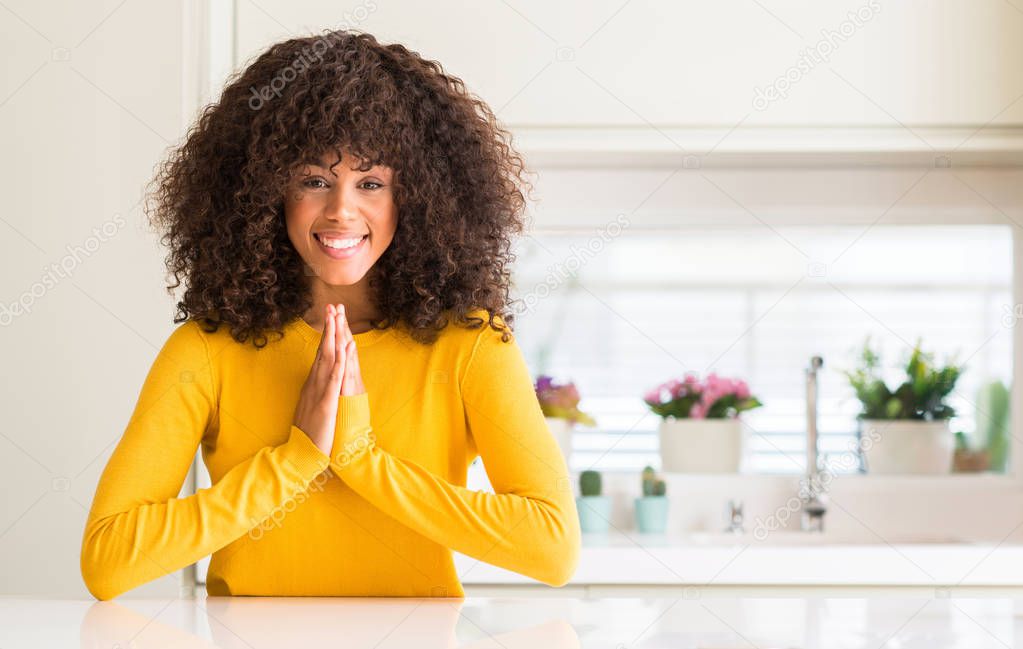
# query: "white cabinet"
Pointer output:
{"type": "Point", "coordinates": [692, 63]}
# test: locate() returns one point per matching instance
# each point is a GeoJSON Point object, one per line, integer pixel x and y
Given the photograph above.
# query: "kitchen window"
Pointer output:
{"type": "Point", "coordinates": [638, 308]}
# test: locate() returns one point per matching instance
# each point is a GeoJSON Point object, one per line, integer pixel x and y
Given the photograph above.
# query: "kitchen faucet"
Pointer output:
{"type": "Point", "coordinates": [734, 517]}
{"type": "Point", "coordinates": [812, 491]}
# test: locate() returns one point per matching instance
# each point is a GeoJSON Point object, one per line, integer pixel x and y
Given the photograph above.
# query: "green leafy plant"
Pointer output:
{"type": "Point", "coordinates": [920, 396]}
{"type": "Point", "coordinates": [714, 397]}
{"type": "Point", "coordinates": [992, 414]}
{"type": "Point", "coordinates": [652, 485]}
{"type": "Point", "coordinates": [590, 483]}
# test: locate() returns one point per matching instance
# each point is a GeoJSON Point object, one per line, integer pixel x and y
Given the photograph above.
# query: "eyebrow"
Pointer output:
{"type": "Point", "coordinates": [323, 165]}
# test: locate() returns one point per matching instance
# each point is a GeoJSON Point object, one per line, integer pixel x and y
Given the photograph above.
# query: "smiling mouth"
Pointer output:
{"type": "Point", "coordinates": [321, 240]}
{"type": "Point", "coordinates": [340, 253]}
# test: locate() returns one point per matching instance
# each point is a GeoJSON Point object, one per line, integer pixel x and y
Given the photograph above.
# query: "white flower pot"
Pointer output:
{"type": "Point", "coordinates": [907, 446]}
{"type": "Point", "coordinates": [561, 429]}
{"type": "Point", "coordinates": [700, 445]}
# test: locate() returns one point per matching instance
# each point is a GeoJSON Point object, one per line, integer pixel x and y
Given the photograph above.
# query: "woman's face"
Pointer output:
{"type": "Point", "coordinates": [340, 220]}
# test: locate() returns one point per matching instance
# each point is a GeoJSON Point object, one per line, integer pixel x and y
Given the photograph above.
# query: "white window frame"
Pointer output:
{"type": "Point", "coordinates": [554, 149]}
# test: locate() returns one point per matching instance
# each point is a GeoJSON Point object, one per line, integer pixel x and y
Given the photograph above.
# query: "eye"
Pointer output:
{"type": "Point", "coordinates": [315, 183]}
{"type": "Point", "coordinates": [370, 182]}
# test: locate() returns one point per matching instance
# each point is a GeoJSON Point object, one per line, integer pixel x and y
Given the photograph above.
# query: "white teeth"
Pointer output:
{"type": "Point", "coordinates": [340, 244]}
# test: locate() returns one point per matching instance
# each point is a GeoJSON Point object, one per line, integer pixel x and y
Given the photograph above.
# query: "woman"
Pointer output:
{"type": "Point", "coordinates": [346, 350]}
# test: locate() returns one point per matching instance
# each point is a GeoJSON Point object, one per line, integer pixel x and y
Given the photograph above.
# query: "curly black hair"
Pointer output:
{"type": "Point", "coordinates": [458, 187]}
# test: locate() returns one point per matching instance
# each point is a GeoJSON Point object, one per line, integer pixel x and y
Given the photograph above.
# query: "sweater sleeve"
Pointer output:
{"type": "Point", "coordinates": [137, 528]}
{"type": "Point", "coordinates": [529, 525]}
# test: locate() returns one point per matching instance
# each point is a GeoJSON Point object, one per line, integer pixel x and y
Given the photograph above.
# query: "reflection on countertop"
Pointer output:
{"type": "Point", "coordinates": [694, 619]}
{"type": "Point", "coordinates": [780, 558]}
{"type": "Point", "coordinates": [257, 622]}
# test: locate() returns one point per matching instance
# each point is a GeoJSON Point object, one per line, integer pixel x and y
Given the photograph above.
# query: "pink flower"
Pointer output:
{"type": "Point", "coordinates": [674, 388]}
{"type": "Point", "coordinates": [572, 393]}
{"type": "Point", "coordinates": [653, 396]}
{"type": "Point", "coordinates": [742, 390]}
{"type": "Point", "coordinates": [703, 395]}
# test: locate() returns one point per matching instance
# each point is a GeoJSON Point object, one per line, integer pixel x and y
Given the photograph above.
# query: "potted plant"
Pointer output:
{"type": "Point", "coordinates": [560, 406]}
{"type": "Point", "coordinates": [700, 431]}
{"type": "Point", "coordinates": [905, 430]}
{"type": "Point", "coordinates": [652, 506]}
{"type": "Point", "coordinates": [594, 507]}
{"type": "Point", "coordinates": [967, 459]}
{"type": "Point", "coordinates": [993, 424]}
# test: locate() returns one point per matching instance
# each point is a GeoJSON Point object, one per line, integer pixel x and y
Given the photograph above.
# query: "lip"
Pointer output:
{"type": "Point", "coordinates": [341, 254]}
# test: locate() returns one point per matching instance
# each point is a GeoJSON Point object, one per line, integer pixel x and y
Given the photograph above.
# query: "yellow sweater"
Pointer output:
{"type": "Point", "coordinates": [379, 516]}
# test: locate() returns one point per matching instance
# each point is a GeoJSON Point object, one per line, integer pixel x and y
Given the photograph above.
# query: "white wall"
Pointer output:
{"type": "Point", "coordinates": [695, 63]}
{"type": "Point", "coordinates": [90, 95]}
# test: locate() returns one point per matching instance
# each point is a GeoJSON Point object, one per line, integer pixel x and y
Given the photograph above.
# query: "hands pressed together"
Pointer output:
{"type": "Point", "coordinates": [334, 373]}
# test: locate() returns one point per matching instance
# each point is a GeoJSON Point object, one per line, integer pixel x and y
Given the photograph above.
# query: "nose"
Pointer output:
{"type": "Point", "coordinates": [343, 203]}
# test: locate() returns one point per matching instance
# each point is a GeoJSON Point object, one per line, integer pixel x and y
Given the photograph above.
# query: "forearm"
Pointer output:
{"type": "Point", "coordinates": [124, 545]}
{"type": "Point", "coordinates": [532, 530]}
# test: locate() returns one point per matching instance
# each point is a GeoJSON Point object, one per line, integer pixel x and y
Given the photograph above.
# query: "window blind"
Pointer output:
{"type": "Point", "coordinates": [757, 304]}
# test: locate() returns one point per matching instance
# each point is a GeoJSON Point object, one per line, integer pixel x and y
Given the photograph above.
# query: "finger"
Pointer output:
{"type": "Point", "coordinates": [327, 350]}
{"type": "Point", "coordinates": [353, 372]}
{"type": "Point", "coordinates": [342, 328]}
{"type": "Point", "coordinates": [350, 353]}
{"type": "Point", "coordinates": [338, 359]}
{"type": "Point", "coordinates": [349, 387]}
{"type": "Point", "coordinates": [339, 336]}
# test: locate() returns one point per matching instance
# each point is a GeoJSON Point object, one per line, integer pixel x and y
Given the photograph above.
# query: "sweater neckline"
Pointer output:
{"type": "Point", "coordinates": [363, 339]}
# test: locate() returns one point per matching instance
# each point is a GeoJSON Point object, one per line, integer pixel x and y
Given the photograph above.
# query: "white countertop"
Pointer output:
{"type": "Point", "coordinates": [784, 558]}
{"type": "Point", "coordinates": [508, 623]}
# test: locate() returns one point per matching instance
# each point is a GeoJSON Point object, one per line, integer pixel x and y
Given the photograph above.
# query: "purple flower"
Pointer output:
{"type": "Point", "coordinates": [544, 383]}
